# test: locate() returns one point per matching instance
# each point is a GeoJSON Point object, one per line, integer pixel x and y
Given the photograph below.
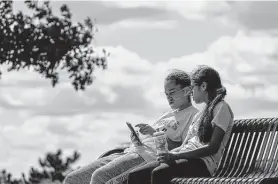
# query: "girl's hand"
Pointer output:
{"type": "Point", "coordinates": [165, 157]}
{"type": "Point", "coordinates": [134, 140]}
{"type": "Point", "coordinates": [146, 129]}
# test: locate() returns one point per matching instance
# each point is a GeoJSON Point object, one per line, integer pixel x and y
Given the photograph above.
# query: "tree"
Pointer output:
{"type": "Point", "coordinates": [7, 178]}
{"type": "Point", "coordinates": [47, 44]}
{"type": "Point", "coordinates": [53, 168]}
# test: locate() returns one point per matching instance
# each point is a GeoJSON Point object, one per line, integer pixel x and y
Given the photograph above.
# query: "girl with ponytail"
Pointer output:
{"type": "Point", "coordinates": [207, 136]}
{"type": "Point", "coordinates": [207, 88]}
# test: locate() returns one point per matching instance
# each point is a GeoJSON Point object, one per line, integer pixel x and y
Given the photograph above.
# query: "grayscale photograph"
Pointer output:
{"type": "Point", "coordinates": [138, 92]}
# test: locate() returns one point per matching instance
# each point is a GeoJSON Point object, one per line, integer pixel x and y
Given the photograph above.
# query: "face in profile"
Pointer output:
{"type": "Point", "coordinates": [198, 93]}
{"type": "Point", "coordinates": [175, 94]}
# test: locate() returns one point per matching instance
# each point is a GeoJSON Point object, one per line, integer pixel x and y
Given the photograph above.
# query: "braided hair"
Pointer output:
{"type": "Point", "coordinates": [216, 93]}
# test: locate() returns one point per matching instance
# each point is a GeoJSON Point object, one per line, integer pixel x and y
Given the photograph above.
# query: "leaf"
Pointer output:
{"type": "Point", "coordinates": [48, 43]}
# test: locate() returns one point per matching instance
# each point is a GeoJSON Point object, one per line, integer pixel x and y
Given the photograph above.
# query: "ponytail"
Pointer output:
{"type": "Point", "coordinates": [205, 128]}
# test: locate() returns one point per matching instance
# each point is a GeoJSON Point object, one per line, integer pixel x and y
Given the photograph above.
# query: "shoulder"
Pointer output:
{"type": "Point", "coordinates": [222, 107]}
{"type": "Point", "coordinates": [194, 110]}
{"type": "Point", "coordinates": [223, 115]}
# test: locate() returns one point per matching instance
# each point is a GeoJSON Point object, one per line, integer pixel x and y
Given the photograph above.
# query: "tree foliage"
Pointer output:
{"type": "Point", "coordinates": [7, 178]}
{"type": "Point", "coordinates": [53, 168]}
{"type": "Point", "coordinates": [47, 44]}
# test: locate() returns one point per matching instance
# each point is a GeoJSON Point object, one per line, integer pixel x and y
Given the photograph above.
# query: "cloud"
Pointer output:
{"type": "Point", "coordinates": [245, 15]}
{"type": "Point", "coordinates": [60, 117]}
{"type": "Point", "coordinates": [259, 15]}
{"type": "Point", "coordinates": [105, 13]}
{"type": "Point", "coordinates": [113, 87]}
{"type": "Point", "coordinates": [245, 63]}
{"type": "Point", "coordinates": [37, 118]}
{"type": "Point", "coordinates": [238, 60]}
{"type": "Point", "coordinates": [139, 24]}
{"type": "Point", "coordinates": [197, 10]}
{"type": "Point", "coordinates": [250, 15]}
{"type": "Point", "coordinates": [113, 14]}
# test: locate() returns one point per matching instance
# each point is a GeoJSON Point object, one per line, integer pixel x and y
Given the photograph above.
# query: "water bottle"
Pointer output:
{"type": "Point", "coordinates": [160, 142]}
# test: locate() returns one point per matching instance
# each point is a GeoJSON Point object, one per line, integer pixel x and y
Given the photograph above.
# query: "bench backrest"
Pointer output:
{"type": "Point", "coordinates": [251, 150]}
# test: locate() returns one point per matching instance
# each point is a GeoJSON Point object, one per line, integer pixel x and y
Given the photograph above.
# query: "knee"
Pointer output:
{"type": "Point", "coordinates": [132, 177]}
{"type": "Point", "coordinates": [132, 174]}
{"type": "Point", "coordinates": [71, 178]}
{"type": "Point", "coordinates": [157, 172]}
{"type": "Point", "coordinates": [160, 170]}
{"type": "Point", "coordinates": [98, 177]}
{"type": "Point", "coordinates": [160, 175]}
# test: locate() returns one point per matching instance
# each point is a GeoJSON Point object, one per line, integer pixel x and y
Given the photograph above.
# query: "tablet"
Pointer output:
{"type": "Point", "coordinates": [134, 133]}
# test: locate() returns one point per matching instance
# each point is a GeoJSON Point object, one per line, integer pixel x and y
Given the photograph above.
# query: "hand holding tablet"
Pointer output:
{"type": "Point", "coordinates": [134, 135]}
{"type": "Point", "coordinates": [145, 129]}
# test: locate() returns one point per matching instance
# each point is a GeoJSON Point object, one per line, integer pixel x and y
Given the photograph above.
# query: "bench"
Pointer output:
{"type": "Point", "coordinates": [251, 155]}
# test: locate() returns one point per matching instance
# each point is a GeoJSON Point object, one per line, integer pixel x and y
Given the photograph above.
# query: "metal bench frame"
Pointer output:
{"type": "Point", "coordinates": [250, 157]}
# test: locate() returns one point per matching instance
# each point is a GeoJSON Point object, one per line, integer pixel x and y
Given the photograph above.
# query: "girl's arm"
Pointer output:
{"type": "Point", "coordinates": [177, 149]}
{"type": "Point", "coordinates": [222, 118]}
{"type": "Point", "coordinates": [189, 135]}
{"type": "Point", "coordinates": [210, 149]}
{"type": "Point", "coordinates": [181, 146]}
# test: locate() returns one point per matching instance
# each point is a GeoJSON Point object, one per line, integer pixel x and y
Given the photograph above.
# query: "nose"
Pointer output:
{"type": "Point", "coordinates": [170, 99]}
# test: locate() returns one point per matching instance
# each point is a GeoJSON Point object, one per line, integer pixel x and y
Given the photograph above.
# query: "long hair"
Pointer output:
{"type": "Point", "coordinates": [216, 93]}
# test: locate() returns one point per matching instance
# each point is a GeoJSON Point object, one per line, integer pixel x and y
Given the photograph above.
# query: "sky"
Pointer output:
{"type": "Point", "coordinates": [145, 39]}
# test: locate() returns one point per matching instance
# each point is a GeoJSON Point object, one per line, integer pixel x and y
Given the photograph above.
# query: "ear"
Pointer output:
{"type": "Point", "coordinates": [204, 86]}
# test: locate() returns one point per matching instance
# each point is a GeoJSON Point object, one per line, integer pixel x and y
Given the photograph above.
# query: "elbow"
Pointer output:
{"type": "Point", "coordinates": [213, 149]}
